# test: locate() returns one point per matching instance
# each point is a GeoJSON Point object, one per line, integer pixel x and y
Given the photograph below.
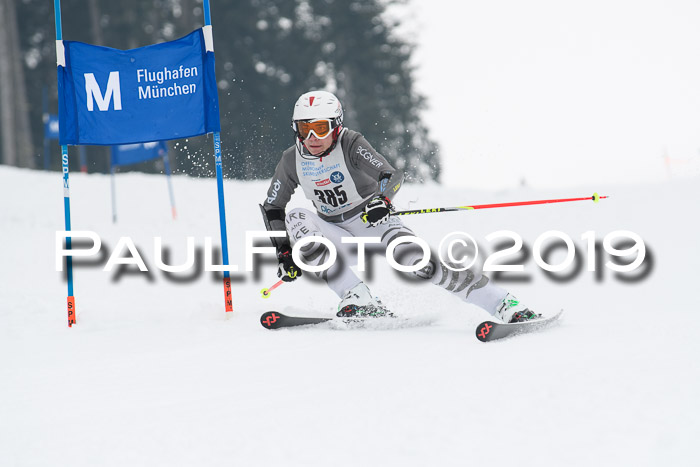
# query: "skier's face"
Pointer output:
{"type": "Point", "coordinates": [317, 146]}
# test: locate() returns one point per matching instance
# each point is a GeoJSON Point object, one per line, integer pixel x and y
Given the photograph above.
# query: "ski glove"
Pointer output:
{"type": "Point", "coordinates": [287, 269]}
{"type": "Point", "coordinates": [377, 211]}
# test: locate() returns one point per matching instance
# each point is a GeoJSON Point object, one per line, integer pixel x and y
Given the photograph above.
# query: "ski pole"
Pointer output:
{"type": "Point", "coordinates": [595, 198]}
{"type": "Point", "coordinates": [266, 292]}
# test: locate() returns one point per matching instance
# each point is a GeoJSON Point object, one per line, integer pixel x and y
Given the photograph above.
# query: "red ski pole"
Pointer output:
{"type": "Point", "coordinates": [595, 198]}
{"type": "Point", "coordinates": [266, 292]}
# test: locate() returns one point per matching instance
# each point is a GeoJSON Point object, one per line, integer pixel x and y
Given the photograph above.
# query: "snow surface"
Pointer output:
{"type": "Point", "coordinates": [155, 374]}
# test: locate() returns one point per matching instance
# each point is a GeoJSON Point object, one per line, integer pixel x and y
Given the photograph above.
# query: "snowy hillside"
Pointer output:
{"type": "Point", "coordinates": [154, 373]}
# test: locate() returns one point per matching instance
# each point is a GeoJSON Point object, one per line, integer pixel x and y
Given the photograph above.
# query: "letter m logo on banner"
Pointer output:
{"type": "Point", "coordinates": [154, 93]}
{"type": "Point", "coordinates": [94, 94]}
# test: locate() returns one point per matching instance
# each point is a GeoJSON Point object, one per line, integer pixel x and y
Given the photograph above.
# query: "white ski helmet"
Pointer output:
{"type": "Point", "coordinates": [317, 105]}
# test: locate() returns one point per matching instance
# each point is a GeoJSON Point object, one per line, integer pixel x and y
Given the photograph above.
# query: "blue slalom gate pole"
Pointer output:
{"type": "Point", "coordinates": [222, 222]}
{"type": "Point", "coordinates": [220, 188]}
{"type": "Point", "coordinates": [66, 186]}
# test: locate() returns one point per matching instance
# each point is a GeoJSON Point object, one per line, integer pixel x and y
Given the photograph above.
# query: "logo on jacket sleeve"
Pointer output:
{"type": "Point", "coordinates": [337, 177]}
{"type": "Point", "coordinates": [369, 157]}
{"type": "Point", "coordinates": [273, 192]}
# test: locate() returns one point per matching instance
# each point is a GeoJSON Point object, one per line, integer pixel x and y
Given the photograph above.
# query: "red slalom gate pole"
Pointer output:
{"type": "Point", "coordinates": [595, 198]}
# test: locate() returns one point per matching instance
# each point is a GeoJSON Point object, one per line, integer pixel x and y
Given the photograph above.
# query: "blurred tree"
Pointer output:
{"type": "Point", "coordinates": [276, 50]}
{"type": "Point", "coordinates": [268, 52]}
{"type": "Point", "coordinates": [14, 117]}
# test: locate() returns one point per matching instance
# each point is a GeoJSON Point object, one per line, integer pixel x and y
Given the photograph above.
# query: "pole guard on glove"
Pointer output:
{"type": "Point", "coordinates": [287, 270]}
{"type": "Point", "coordinates": [377, 211]}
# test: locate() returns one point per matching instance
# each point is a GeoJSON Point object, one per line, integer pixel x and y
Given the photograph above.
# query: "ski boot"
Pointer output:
{"type": "Point", "coordinates": [512, 311]}
{"type": "Point", "coordinates": [359, 303]}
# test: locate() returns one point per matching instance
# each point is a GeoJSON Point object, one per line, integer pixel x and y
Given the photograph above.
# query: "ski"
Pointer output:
{"type": "Point", "coordinates": [489, 330]}
{"type": "Point", "coordinates": [277, 320]}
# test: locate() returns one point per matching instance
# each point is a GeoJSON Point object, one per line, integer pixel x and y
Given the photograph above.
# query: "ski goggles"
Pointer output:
{"type": "Point", "coordinates": [320, 128]}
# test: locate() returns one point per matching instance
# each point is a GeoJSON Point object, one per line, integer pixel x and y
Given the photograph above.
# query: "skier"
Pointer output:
{"type": "Point", "coordinates": [351, 186]}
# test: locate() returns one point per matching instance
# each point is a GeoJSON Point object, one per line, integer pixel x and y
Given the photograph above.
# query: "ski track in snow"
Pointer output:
{"type": "Point", "coordinates": [154, 373]}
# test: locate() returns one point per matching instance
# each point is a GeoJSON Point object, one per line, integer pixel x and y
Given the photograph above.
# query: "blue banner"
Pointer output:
{"type": "Point", "coordinates": [51, 127]}
{"type": "Point", "coordinates": [127, 154]}
{"type": "Point", "coordinates": [159, 92]}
